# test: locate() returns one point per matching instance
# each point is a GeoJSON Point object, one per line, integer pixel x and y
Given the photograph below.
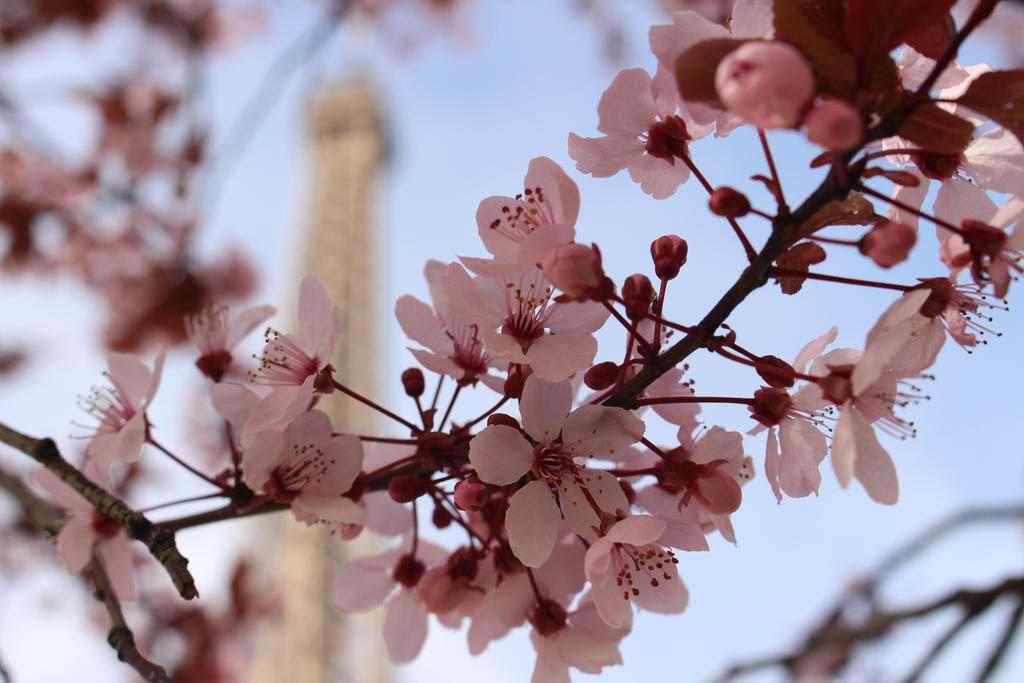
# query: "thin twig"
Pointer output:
{"type": "Point", "coordinates": [120, 636]}
{"type": "Point", "coordinates": [160, 541]}
{"type": "Point", "coordinates": [1012, 627]}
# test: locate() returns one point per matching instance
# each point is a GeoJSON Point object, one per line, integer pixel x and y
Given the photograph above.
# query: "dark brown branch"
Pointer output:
{"type": "Point", "coordinates": [879, 623]}
{"type": "Point", "coordinates": [120, 636]}
{"type": "Point", "coordinates": [158, 540]}
{"type": "Point", "coordinates": [1012, 626]}
{"type": "Point", "coordinates": [49, 518]}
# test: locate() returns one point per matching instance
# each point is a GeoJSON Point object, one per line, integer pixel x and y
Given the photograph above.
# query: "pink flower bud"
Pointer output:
{"type": "Point", "coordinates": [669, 254]}
{"type": "Point", "coordinates": [728, 202]}
{"type": "Point", "coordinates": [471, 494]}
{"type": "Point", "coordinates": [638, 293]}
{"type": "Point", "coordinates": [576, 270]}
{"type": "Point", "coordinates": [769, 84]}
{"type": "Point", "coordinates": [835, 125]}
{"type": "Point", "coordinates": [888, 243]}
{"type": "Point", "coordinates": [718, 492]}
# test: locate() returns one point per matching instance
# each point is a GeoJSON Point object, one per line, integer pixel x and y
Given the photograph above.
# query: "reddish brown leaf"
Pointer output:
{"type": "Point", "coordinates": [874, 28]}
{"type": "Point", "coordinates": [936, 130]}
{"type": "Point", "coordinates": [999, 95]}
{"type": "Point", "coordinates": [798, 258]}
{"type": "Point", "coordinates": [853, 210]}
{"type": "Point", "coordinates": [813, 28]}
{"type": "Point", "coordinates": [695, 69]}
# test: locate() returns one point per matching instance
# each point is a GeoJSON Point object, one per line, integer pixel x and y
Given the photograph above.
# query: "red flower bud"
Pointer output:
{"type": "Point", "coordinates": [775, 371]}
{"type": "Point", "coordinates": [728, 202]}
{"type": "Point", "coordinates": [406, 488]}
{"type": "Point", "coordinates": [638, 293]}
{"type": "Point", "coordinates": [669, 254]}
{"type": "Point", "coordinates": [413, 382]}
{"type": "Point", "coordinates": [601, 376]}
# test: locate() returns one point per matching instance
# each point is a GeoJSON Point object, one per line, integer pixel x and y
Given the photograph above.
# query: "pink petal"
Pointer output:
{"type": "Point", "coordinates": [560, 192]}
{"type": "Point", "coordinates": [771, 464]}
{"type": "Point", "coordinates": [75, 541]}
{"type": "Point", "coordinates": [813, 349]}
{"type": "Point", "coordinates": [500, 455]}
{"type": "Point", "coordinates": [604, 157]}
{"type": "Point", "coordinates": [636, 530]}
{"type": "Point", "coordinates": [364, 583]}
{"type": "Point", "coordinates": [245, 322]}
{"type": "Point", "coordinates": [405, 627]}
{"type": "Point", "coordinates": [420, 323]}
{"type": "Point", "coordinates": [684, 535]}
{"type": "Point", "coordinates": [600, 431]}
{"type": "Point", "coordinates": [605, 491]}
{"type": "Point", "coordinates": [626, 108]}
{"type": "Point", "coordinates": [556, 357]}
{"type": "Point", "coordinates": [116, 554]}
{"type": "Point", "coordinates": [234, 402]}
{"type": "Point", "coordinates": [532, 523]}
{"type": "Point", "coordinates": [259, 458]}
{"type": "Point", "coordinates": [658, 177]}
{"type": "Point", "coordinates": [544, 406]}
{"type": "Point", "coordinates": [803, 449]}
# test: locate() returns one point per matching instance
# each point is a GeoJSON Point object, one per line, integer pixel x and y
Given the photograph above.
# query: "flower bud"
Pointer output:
{"type": "Point", "coordinates": [775, 371]}
{"type": "Point", "coordinates": [441, 518]}
{"type": "Point", "coordinates": [601, 376]}
{"type": "Point", "coordinates": [406, 488]}
{"type": "Point", "coordinates": [835, 125]}
{"type": "Point", "coordinates": [471, 494]}
{"type": "Point", "coordinates": [669, 254]}
{"type": "Point", "coordinates": [517, 375]}
{"type": "Point", "coordinates": [888, 243]}
{"type": "Point", "coordinates": [576, 270]}
{"type": "Point", "coordinates": [503, 419]}
{"type": "Point", "coordinates": [769, 84]}
{"type": "Point", "coordinates": [718, 492]}
{"type": "Point", "coordinates": [728, 202]}
{"type": "Point", "coordinates": [413, 382]}
{"type": "Point", "coordinates": [638, 293]}
{"type": "Point", "coordinates": [408, 571]}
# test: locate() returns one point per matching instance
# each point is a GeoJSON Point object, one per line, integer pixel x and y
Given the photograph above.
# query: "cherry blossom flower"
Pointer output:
{"type": "Point", "coordinates": [579, 639]}
{"type": "Point", "coordinates": [520, 229]}
{"type": "Point", "coordinates": [867, 388]}
{"type": "Point", "coordinates": [794, 468]}
{"type": "Point", "coordinates": [698, 482]}
{"type": "Point", "coordinates": [548, 448]}
{"type": "Point", "coordinates": [517, 319]}
{"type": "Point", "coordinates": [121, 408]}
{"type": "Point", "coordinates": [86, 532]}
{"type": "Point", "coordinates": [309, 467]}
{"type": "Point", "coordinates": [214, 336]}
{"type": "Point", "coordinates": [630, 564]}
{"type": "Point", "coordinates": [290, 360]}
{"type": "Point", "coordinates": [454, 346]}
{"type": "Point", "coordinates": [993, 255]}
{"type": "Point", "coordinates": [390, 578]}
{"type": "Point", "coordinates": [642, 133]}
{"type": "Point", "coordinates": [295, 367]}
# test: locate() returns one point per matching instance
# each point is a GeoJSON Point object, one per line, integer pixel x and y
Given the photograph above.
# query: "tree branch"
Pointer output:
{"type": "Point", "coordinates": [120, 636]}
{"type": "Point", "coordinates": [158, 540]}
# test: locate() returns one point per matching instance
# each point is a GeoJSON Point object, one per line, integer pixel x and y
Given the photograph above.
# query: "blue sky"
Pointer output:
{"type": "Point", "coordinates": [466, 118]}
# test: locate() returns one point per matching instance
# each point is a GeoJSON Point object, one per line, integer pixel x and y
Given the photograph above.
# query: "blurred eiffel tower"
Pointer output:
{"type": "Point", "coordinates": [312, 642]}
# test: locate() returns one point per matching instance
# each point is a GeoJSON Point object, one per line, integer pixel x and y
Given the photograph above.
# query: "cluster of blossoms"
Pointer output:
{"type": "Point", "coordinates": [571, 515]}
